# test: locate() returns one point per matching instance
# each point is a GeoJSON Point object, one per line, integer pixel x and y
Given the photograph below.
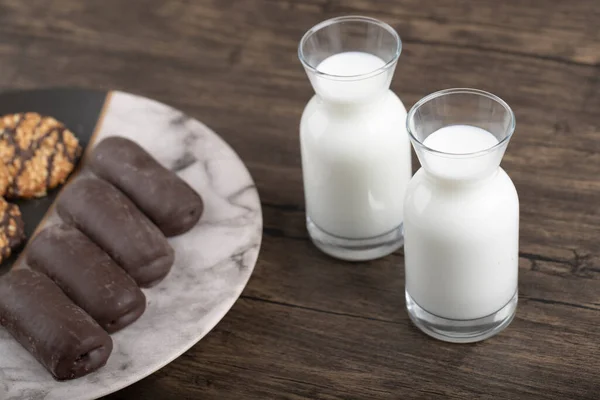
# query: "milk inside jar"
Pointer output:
{"type": "Point", "coordinates": [461, 230]}
{"type": "Point", "coordinates": [355, 155]}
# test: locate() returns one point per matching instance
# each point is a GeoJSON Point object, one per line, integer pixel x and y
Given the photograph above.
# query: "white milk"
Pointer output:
{"type": "Point", "coordinates": [355, 150]}
{"type": "Point", "coordinates": [460, 139]}
{"type": "Point", "coordinates": [461, 227]}
{"type": "Point", "coordinates": [350, 63]}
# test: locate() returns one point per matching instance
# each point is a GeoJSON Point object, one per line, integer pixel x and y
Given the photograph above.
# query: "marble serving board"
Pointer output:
{"type": "Point", "coordinates": [213, 261]}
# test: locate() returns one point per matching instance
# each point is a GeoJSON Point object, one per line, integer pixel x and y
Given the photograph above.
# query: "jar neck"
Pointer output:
{"type": "Point", "coordinates": [351, 93]}
{"type": "Point", "coordinates": [372, 101]}
{"type": "Point", "coordinates": [460, 169]}
{"type": "Point", "coordinates": [463, 182]}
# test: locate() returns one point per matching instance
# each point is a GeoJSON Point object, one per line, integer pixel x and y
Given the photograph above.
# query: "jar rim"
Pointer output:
{"type": "Point", "coordinates": [445, 92]}
{"type": "Point", "coordinates": [351, 18]}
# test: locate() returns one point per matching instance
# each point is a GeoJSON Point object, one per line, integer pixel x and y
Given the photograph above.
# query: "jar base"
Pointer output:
{"type": "Point", "coordinates": [461, 331]}
{"type": "Point", "coordinates": [355, 249]}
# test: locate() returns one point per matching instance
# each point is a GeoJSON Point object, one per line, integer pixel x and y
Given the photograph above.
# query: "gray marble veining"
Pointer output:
{"type": "Point", "coordinates": [213, 261]}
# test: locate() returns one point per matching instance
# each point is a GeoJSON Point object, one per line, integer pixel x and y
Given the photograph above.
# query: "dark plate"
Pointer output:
{"type": "Point", "coordinates": [78, 109]}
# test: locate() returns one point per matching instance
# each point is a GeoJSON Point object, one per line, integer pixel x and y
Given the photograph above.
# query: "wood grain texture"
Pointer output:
{"type": "Point", "coordinates": [310, 327]}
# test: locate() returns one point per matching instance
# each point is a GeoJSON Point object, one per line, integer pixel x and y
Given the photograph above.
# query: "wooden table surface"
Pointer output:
{"type": "Point", "coordinates": [308, 326]}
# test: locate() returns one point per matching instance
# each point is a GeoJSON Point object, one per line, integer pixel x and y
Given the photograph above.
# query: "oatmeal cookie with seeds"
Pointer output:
{"type": "Point", "coordinates": [39, 153]}
{"type": "Point", "coordinates": [5, 179]}
{"type": "Point", "coordinates": [12, 229]}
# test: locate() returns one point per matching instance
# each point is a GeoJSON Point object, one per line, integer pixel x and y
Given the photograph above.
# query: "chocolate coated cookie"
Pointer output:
{"type": "Point", "coordinates": [39, 153]}
{"type": "Point", "coordinates": [88, 275]}
{"type": "Point", "coordinates": [162, 195]}
{"type": "Point", "coordinates": [111, 220]}
{"type": "Point", "coordinates": [60, 335]}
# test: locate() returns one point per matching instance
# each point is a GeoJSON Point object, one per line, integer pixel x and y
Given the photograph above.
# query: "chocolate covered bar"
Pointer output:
{"type": "Point", "coordinates": [114, 223]}
{"type": "Point", "coordinates": [88, 275]}
{"type": "Point", "coordinates": [163, 196]}
{"type": "Point", "coordinates": [60, 335]}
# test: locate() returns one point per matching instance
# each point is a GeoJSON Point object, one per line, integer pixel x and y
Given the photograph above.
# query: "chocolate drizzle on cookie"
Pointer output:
{"type": "Point", "coordinates": [20, 155]}
{"type": "Point", "coordinates": [39, 152]}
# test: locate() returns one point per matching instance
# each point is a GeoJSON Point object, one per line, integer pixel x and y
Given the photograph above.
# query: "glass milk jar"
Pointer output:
{"type": "Point", "coordinates": [355, 150]}
{"type": "Point", "coordinates": [461, 217]}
